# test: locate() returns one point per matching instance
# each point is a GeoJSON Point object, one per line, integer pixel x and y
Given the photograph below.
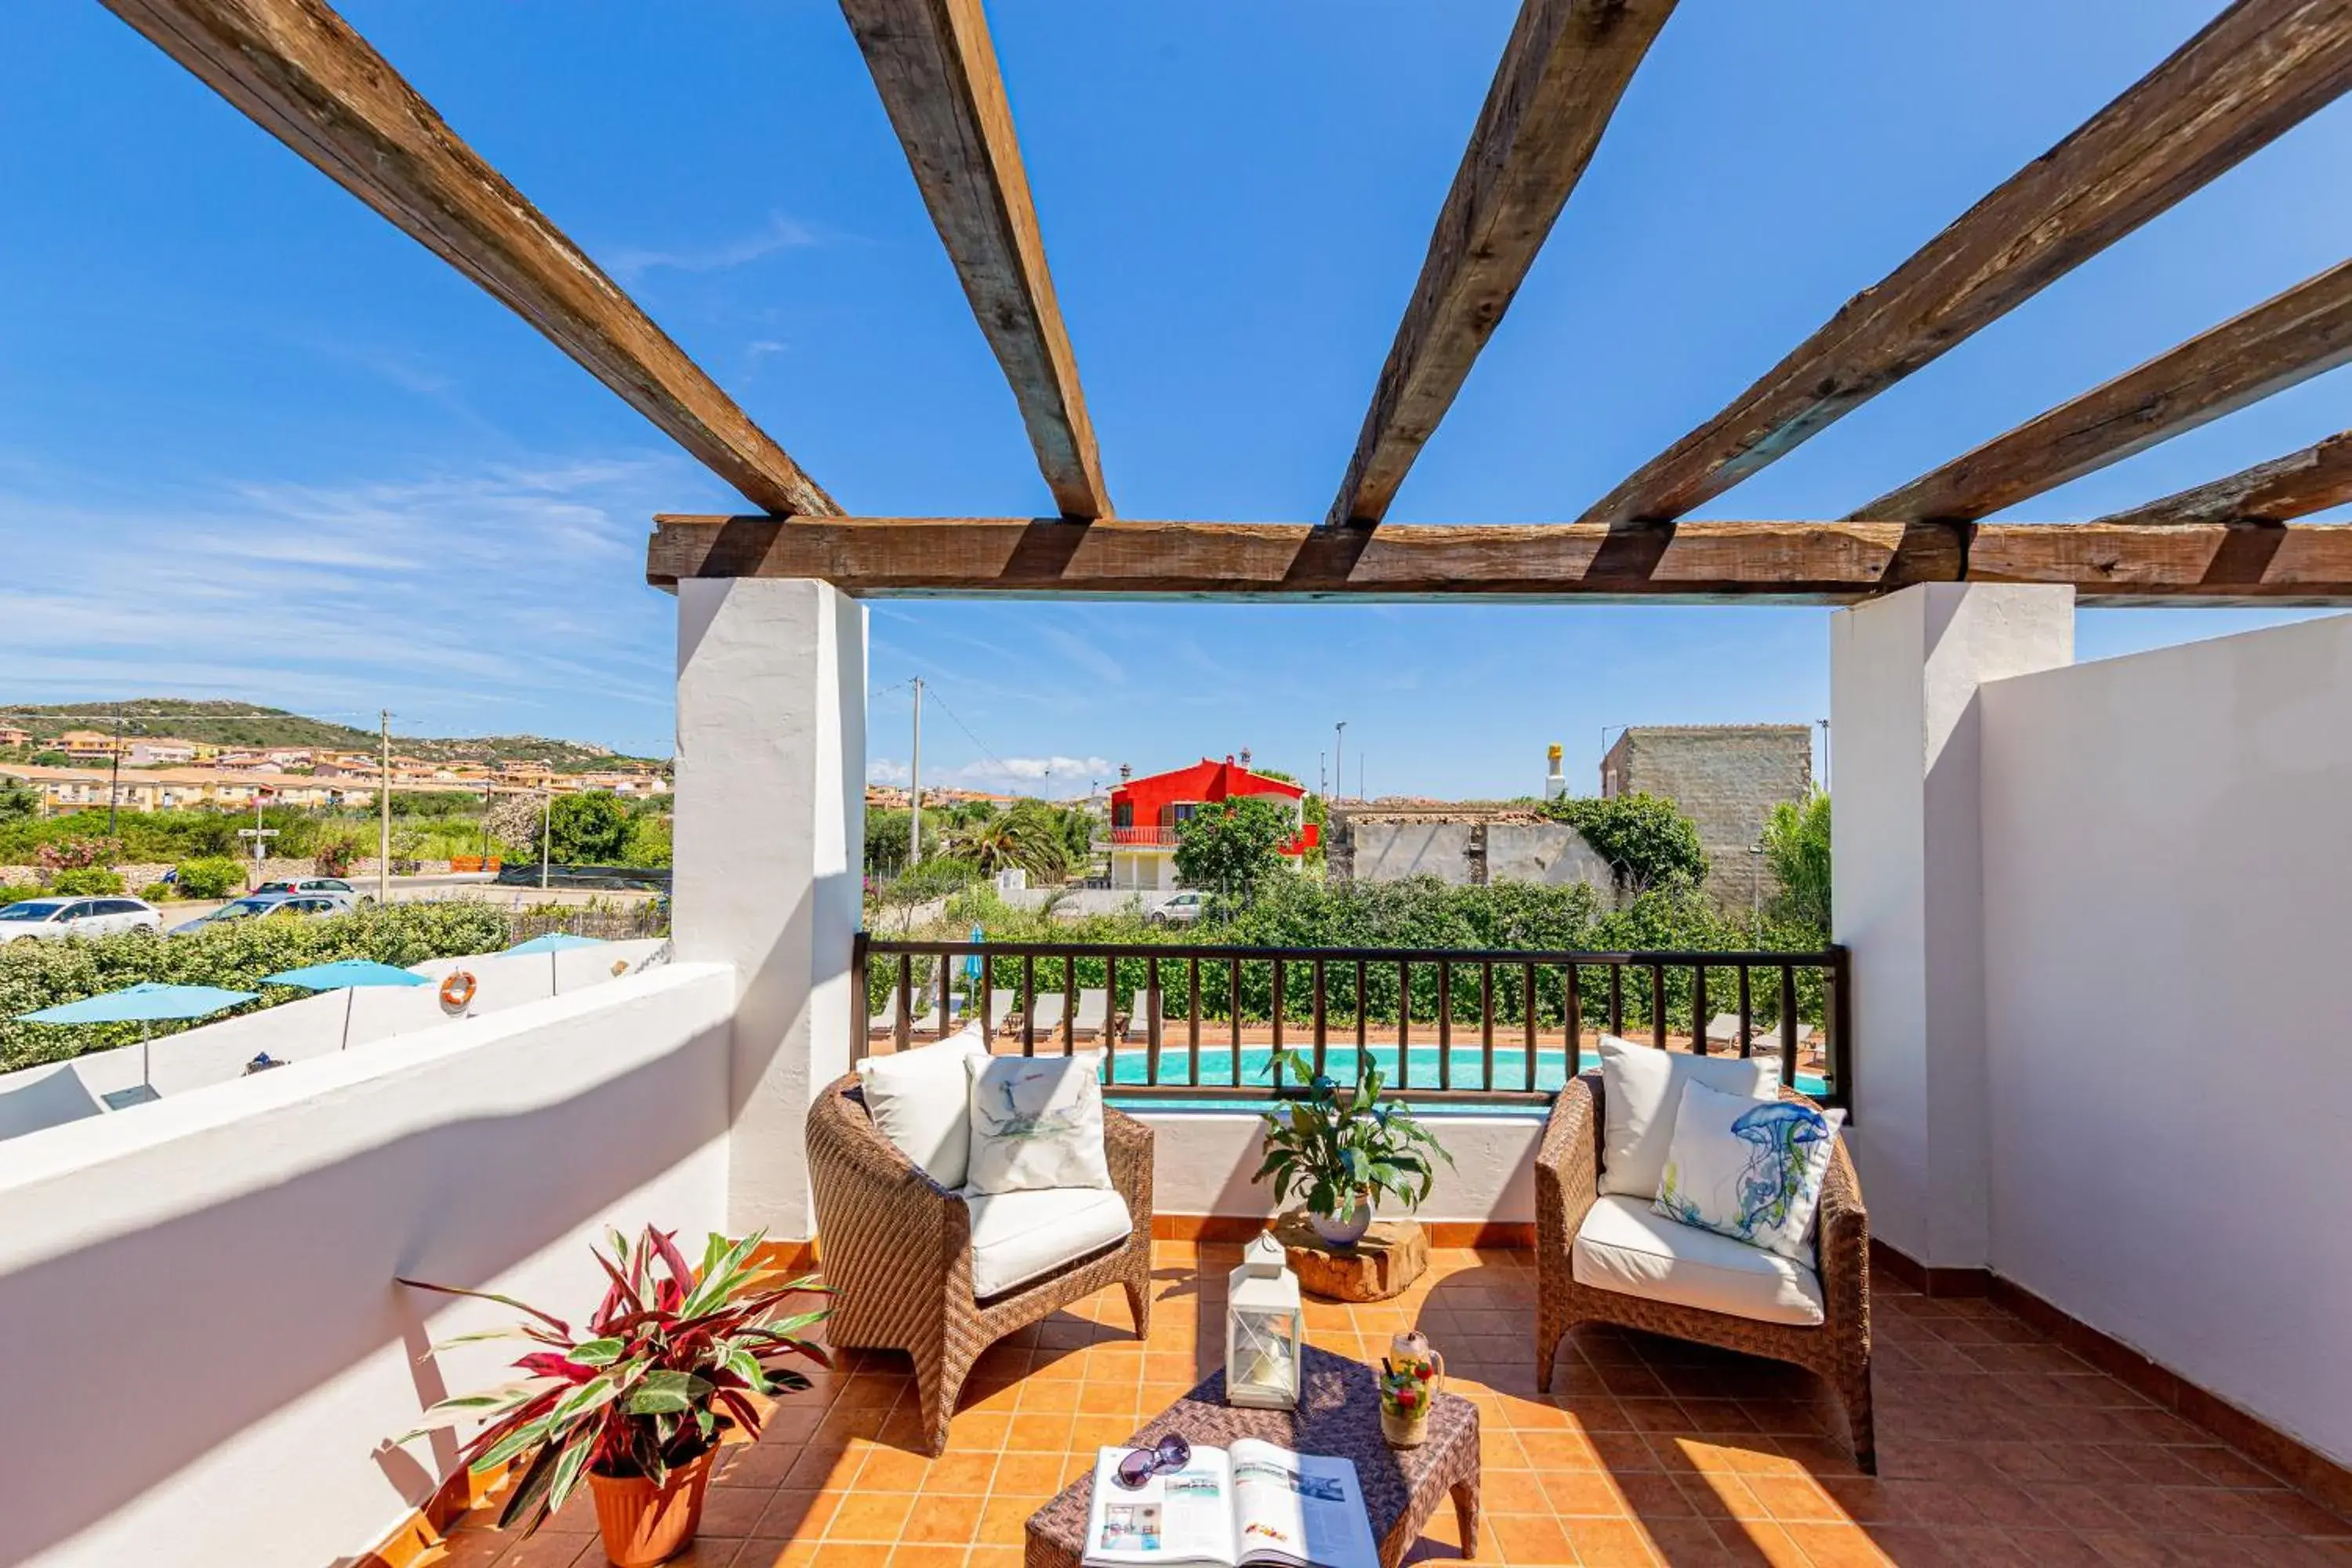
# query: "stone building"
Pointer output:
{"type": "Point", "coordinates": [1726, 778]}
{"type": "Point", "coordinates": [1464, 843]}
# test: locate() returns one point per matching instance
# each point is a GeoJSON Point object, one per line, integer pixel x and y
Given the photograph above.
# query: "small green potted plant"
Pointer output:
{"type": "Point", "coordinates": [1344, 1149]}
{"type": "Point", "coordinates": [635, 1400]}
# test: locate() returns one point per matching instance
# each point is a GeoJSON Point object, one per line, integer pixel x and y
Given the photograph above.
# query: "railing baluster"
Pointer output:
{"type": "Point", "coordinates": [1151, 1020]}
{"type": "Point", "coordinates": [1746, 1016]}
{"type": "Point", "coordinates": [904, 1033]}
{"type": "Point", "coordinates": [861, 1018]}
{"type": "Point", "coordinates": [1528, 1007]}
{"type": "Point", "coordinates": [1028, 1003]}
{"type": "Point", "coordinates": [1192, 1024]}
{"type": "Point", "coordinates": [1363, 1045]}
{"type": "Point", "coordinates": [1487, 1024]}
{"type": "Point", "coordinates": [1321, 1018]}
{"type": "Point", "coordinates": [1698, 1008]}
{"type": "Point", "coordinates": [1234, 978]}
{"type": "Point", "coordinates": [1575, 1021]}
{"type": "Point", "coordinates": [1789, 1026]}
{"type": "Point", "coordinates": [1110, 1017]}
{"type": "Point", "coordinates": [1281, 977]}
{"type": "Point", "coordinates": [1445, 1022]}
{"type": "Point", "coordinates": [1404, 1023]}
{"type": "Point", "coordinates": [1837, 1031]}
{"type": "Point", "coordinates": [947, 971]}
{"type": "Point", "coordinates": [1070, 1004]}
{"type": "Point", "coordinates": [1658, 1006]}
{"type": "Point", "coordinates": [1617, 999]}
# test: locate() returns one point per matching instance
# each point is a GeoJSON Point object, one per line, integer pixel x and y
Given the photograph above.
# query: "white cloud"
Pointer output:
{"type": "Point", "coordinates": [780, 232]}
{"type": "Point", "coordinates": [1055, 776]}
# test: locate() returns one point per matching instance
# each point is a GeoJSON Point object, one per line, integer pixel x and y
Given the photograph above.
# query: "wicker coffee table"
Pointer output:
{"type": "Point", "coordinates": [1340, 1414]}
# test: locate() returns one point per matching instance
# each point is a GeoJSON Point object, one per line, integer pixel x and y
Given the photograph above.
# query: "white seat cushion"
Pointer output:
{"type": "Point", "coordinates": [1625, 1245]}
{"type": "Point", "coordinates": [1016, 1237]}
{"type": "Point", "coordinates": [921, 1102]}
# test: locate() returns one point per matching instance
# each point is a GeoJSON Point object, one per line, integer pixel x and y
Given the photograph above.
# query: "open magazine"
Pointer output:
{"type": "Point", "coordinates": [1233, 1508]}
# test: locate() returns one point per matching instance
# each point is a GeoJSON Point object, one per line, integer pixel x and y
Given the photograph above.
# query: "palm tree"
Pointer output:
{"type": "Point", "coordinates": [1021, 837]}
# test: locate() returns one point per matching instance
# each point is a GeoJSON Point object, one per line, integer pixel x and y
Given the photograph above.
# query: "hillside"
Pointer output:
{"type": "Point", "coordinates": [244, 724]}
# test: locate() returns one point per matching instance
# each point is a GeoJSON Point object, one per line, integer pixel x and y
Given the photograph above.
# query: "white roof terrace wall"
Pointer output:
{"type": "Point", "coordinates": [768, 852]}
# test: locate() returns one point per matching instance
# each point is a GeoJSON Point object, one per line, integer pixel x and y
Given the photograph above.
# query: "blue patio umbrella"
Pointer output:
{"type": "Point", "coordinates": [346, 975]}
{"type": "Point", "coordinates": [554, 942]}
{"type": "Point", "coordinates": [149, 1001]}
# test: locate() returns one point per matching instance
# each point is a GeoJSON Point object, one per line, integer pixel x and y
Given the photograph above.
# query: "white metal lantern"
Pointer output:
{"type": "Point", "coordinates": [1261, 1322]}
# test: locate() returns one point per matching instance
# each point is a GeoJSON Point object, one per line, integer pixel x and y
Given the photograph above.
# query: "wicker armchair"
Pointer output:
{"type": "Point", "coordinates": [895, 1248]}
{"type": "Point", "coordinates": [1568, 1167]}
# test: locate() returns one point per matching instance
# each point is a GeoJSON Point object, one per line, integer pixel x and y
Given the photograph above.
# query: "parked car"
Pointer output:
{"type": "Point", "coordinates": [257, 905]}
{"type": "Point", "coordinates": [1181, 911]}
{"type": "Point", "coordinates": [316, 885]}
{"type": "Point", "coordinates": [54, 919]}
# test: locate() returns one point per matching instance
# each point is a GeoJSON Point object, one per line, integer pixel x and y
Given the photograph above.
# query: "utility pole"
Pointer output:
{"type": "Point", "coordinates": [546, 828]}
{"type": "Point", "coordinates": [115, 779]}
{"type": "Point", "coordinates": [915, 785]}
{"type": "Point", "coordinates": [1339, 752]}
{"type": "Point", "coordinates": [383, 808]}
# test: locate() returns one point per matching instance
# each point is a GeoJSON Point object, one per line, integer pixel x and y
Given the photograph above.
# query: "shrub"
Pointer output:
{"type": "Point", "coordinates": [210, 876]}
{"type": "Point", "coordinates": [35, 975]}
{"type": "Point", "coordinates": [1796, 848]}
{"type": "Point", "coordinates": [337, 855]}
{"type": "Point", "coordinates": [159, 892]}
{"type": "Point", "coordinates": [1646, 840]}
{"type": "Point", "coordinates": [1232, 847]}
{"type": "Point", "coordinates": [78, 854]}
{"type": "Point", "coordinates": [87, 881]}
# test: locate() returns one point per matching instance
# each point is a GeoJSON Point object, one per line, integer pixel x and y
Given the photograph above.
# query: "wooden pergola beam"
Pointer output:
{"type": "Point", "coordinates": [2255, 71]}
{"type": "Point", "coordinates": [299, 71]}
{"type": "Point", "coordinates": [2299, 335]}
{"type": "Point", "coordinates": [1561, 75]}
{"type": "Point", "coordinates": [2312, 480]}
{"type": "Point", "coordinates": [1793, 562]}
{"type": "Point", "coordinates": [935, 69]}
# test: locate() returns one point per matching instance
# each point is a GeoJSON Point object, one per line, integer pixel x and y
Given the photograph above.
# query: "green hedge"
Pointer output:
{"type": "Point", "coordinates": [236, 955]}
{"type": "Point", "coordinates": [1420, 914]}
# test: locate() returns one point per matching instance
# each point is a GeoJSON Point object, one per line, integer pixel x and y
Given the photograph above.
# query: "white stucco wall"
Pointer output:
{"type": "Point", "coordinates": [769, 846]}
{"type": "Point", "coordinates": [1905, 673]}
{"type": "Point", "coordinates": [2168, 914]}
{"type": "Point", "coordinates": [34, 1097]}
{"type": "Point", "coordinates": [202, 1340]}
{"type": "Point", "coordinates": [1202, 1163]}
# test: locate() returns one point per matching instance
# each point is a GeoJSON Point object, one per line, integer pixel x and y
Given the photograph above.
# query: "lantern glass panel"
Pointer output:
{"type": "Point", "coordinates": [1261, 1362]}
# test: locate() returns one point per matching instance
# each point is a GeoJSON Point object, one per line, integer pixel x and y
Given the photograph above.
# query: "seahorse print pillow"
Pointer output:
{"type": "Point", "coordinates": [1036, 1123]}
{"type": "Point", "coordinates": [1752, 1169]}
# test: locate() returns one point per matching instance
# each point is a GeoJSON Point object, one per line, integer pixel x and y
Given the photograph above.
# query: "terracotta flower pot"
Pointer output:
{"type": "Point", "coordinates": [644, 1524]}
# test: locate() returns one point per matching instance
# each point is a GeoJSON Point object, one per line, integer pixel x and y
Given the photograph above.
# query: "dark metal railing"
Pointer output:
{"type": "Point", "coordinates": [1192, 1022]}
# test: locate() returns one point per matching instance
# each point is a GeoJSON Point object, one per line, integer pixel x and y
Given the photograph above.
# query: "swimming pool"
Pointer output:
{"type": "Point", "coordinates": [1217, 1068]}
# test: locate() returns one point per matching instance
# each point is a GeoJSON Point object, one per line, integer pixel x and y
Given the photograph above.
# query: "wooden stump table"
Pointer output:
{"type": "Point", "coordinates": [1338, 1414]}
{"type": "Point", "coordinates": [1389, 1258]}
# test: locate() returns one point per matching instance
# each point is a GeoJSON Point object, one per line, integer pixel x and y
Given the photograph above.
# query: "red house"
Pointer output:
{"type": "Point", "coordinates": [1145, 814]}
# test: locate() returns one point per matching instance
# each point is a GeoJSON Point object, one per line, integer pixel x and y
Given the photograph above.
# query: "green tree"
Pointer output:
{"type": "Point", "coordinates": [18, 800]}
{"type": "Point", "coordinates": [1230, 847]}
{"type": "Point", "coordinates": [1029, 836]}
{"type": "Point", "coordinates": [1797, 849]}
{"type": "Point", "coordinates": [588, 829]}
{"type": "Point", "coordinates": [1646, 838]}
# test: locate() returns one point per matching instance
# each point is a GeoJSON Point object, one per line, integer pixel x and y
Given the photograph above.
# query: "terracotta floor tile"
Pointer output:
{"type": "Point", "coordinates": [962, 1473]}
{"type": "Point", "coordinates": [1529, 1538]}
{"type": "Point", "coordinates": [870, 1516]}
{"type": "Point", "coordinates": [1610, 1543]}
{"type": "Point", "coordinates": [851, 1554]}
{"type": "Point", "coordinates": [766, 1552]}
{"type": "Point", "coordinates": [1836, 1545]}
{"type": "Point", "coordinates": [1039, 1476]}
{"type": "Point", "coordinates": [1038, 1434]}
{"type": "Point", "coordinates": [732, 1510]}
{"type": "Point", "coordinates": [797, 1515]}
{"type": "Point", "coordinates": [893, 1470]}
{"type": "Point", "coordinates": [944, 1521]}
{"type": "Point", "coordinates": [927, 1556]}
{"type": "Point", "coordinates": [1517, 1491]}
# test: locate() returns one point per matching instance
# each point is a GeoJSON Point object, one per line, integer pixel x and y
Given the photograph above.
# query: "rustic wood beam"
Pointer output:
{"type": "Point", "coordinates": [2258, 70]}
{"type": "Point", "coordinates": [299, 71]}
{"type": "Point", "coordinates": [1566, 65]}
{"type": "Point", "coordinates": [2312, 480]}
{"type": "Point", "coordinates": [2301, 333]}
{"type": "Point", "coordinates": [935, 69]}
{"type": "Point", "coordinates": [1791, 562]}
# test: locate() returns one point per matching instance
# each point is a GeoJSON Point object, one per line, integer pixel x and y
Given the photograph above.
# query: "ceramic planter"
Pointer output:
{"type": "Point", "coordinates": [1347, 1230]}
{"type": "Point", "coordinates": [644, 1524]}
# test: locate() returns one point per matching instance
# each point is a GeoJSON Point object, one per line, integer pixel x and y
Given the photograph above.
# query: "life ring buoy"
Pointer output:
{"type": "Point", "coordinates": [457, 990]}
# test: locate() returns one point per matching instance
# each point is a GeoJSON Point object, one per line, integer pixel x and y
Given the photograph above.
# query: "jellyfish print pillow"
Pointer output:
{"type": "Point", "coordinates": [1749, 1168]}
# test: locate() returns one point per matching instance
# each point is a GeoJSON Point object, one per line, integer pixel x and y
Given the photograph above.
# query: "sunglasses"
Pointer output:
{"type": "Point", "coordinates": [1170, 1453]}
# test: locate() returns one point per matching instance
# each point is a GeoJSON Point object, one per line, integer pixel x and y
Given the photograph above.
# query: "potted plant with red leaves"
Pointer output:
{"type": "Point", "coordinates": [635, 1402]}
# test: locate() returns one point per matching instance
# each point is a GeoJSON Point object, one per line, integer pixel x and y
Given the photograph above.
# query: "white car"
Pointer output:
{"type": "Point", "coordinates": [1181, 911]}
{"type": "Point", "coordinates": [269, 905]}
{"type": "Point", "coordinates": [56, 919]}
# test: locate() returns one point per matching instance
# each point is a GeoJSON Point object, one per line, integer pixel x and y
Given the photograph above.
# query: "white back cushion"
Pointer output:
{"type": "Point", "coordinates": [1641, 1086]}
{"type": "Point", "coordinates": [921, 1102]}
{"type": "Point", "coordinates": [1036, 1123]}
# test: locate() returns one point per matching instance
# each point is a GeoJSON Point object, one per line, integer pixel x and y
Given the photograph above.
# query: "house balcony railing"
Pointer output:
{"type": "Point", "coordinates": [1145, 837]}
{"type": "Point", "coordinates": [1184, 1022]}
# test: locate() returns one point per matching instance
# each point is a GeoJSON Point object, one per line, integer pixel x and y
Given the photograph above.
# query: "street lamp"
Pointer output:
{"type": "Point", "coordinates": [1340, 751]}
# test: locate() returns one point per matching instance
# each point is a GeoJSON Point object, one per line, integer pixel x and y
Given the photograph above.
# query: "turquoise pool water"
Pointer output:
{"type": "Point", "coordinates": [1218, 1068]}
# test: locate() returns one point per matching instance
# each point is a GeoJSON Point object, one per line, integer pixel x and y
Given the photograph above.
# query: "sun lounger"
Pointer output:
{"type": "Point", "coordinates": [1138, 1021]}
{"type": "Point", "coordinates": [886, 1022]}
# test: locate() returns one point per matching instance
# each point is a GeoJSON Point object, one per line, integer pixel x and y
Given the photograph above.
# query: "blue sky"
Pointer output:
{"type": "Point", "coordinates": [255, 443]}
